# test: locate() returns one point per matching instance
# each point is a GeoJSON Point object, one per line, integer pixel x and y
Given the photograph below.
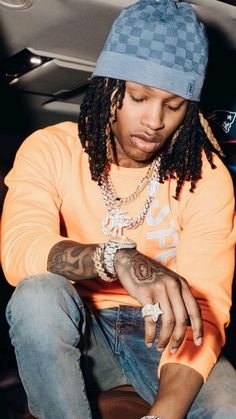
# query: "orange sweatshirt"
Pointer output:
{"type": "Point", "coordinates": [194, 236]}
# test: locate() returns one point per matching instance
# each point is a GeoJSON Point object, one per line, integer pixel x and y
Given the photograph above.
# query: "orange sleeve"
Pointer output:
{"type": "Point", "coordinates": [205, 258]}
{"type": "Point", "coordinates": [30, 219]}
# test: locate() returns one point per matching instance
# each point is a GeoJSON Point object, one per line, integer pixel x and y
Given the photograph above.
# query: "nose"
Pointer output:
{"type": "Point", "coordinates": [152, 118]}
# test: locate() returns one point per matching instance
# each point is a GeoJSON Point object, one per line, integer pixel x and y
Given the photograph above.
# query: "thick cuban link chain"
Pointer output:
{"type": "Point", "coordinates": [116, 219]}
{"type": "Point", "coordinates": [99, 264]}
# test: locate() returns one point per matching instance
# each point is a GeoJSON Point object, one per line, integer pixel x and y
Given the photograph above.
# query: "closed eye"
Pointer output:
{"type": "Point", "coordinates": [138, 99]}
{"type": "Point", "coordinates": [173, 108]}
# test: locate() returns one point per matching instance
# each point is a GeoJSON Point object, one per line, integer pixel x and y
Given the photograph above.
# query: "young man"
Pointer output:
{"type": "Point", "coordinates": [148, 210]}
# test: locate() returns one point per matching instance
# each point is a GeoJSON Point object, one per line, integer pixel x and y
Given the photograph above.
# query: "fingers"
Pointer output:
{"type": "Point", "coordinates": [178, 304]}
{"type": "Point", "coordinates": [167, 321]}
{"type": "Point", "coordinates": [194, 313]}
{"type": "Point", "coordinates": [180, 315]}
{"type": "Point", "coordinates": [150, 330]}
{"type": "Point", "coordinates": [173, 322]}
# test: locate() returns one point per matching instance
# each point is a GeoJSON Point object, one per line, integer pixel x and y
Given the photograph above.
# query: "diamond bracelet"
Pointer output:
{"type": "Point", "coordinates": [99, 264]}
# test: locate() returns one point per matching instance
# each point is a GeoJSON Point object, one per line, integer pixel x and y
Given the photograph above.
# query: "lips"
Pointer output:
{"type": "Point", "coordinates": [143, 143]}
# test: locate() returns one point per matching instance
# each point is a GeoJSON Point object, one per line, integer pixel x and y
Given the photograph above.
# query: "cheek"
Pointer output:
{"type": "Point", "coordinates": [118, 128]}
{"type": "Point", "coordinates": [123, 122]}
{"type": "Point", "coordinates": [176, 120]}
{"type": "Point", "coordinates": [128, 113]}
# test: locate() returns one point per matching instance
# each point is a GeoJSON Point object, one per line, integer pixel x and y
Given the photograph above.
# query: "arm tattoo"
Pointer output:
{"type": "Point", "coordinates": [72, 260]}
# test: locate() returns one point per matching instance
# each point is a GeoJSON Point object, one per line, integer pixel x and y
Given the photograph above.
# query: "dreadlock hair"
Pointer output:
{"type": "Point", "coordinates": [181, 158]}
{"type": "Point", "coordinates": [94, 120]}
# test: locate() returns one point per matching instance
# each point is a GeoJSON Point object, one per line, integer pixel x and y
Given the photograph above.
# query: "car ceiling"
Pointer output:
{"type": "Point", "coordinates": [68, 28]}
{"type": "Point", "coordinates": [67, 36]}
{"type": "Point", "coordinates": [78, 28]}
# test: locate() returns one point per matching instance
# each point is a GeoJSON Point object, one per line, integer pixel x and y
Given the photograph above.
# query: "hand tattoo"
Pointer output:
{"type": "Point", "coordinates": [144, 268]}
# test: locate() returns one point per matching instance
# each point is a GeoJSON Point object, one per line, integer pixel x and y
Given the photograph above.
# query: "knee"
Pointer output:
{"type": "Point", "coordinates": [45, 303]}
{"type": "Point", "coordinates": [41, 293]}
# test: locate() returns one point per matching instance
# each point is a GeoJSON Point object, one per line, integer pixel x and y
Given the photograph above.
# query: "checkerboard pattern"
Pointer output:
{"type": "Point", "coordinates": [162, 31]}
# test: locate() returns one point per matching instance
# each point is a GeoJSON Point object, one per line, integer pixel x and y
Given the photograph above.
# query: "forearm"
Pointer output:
{"type": "Point", "coordinates": [178, 387]}
{"type": "Point", "coordinates": [72, 260]}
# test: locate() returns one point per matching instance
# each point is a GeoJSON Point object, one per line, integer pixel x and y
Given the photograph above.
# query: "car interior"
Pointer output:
{"type": "Point", "coordinates": [48, 51]}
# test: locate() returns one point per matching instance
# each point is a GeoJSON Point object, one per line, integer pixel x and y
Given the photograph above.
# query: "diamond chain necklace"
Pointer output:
{"type": "Point", "coordinates": [116, 219]}
{"type": "Point", "coordinates": [117, 201]}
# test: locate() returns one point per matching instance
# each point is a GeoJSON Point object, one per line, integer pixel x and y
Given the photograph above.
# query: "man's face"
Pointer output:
{"type": "Point", "coordinates": [148, 117]}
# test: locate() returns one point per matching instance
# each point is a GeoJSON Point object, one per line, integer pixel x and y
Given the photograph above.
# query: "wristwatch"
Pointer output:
{"type": "Point", "coordinates": [110, 250]}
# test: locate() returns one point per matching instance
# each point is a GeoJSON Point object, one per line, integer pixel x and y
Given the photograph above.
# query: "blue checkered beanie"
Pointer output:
{"type": "Point", "coordinates": [158, 43]}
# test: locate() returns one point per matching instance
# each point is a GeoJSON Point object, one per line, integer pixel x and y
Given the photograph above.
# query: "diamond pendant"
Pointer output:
{"type": "Point", "coordinates": [114, 223]}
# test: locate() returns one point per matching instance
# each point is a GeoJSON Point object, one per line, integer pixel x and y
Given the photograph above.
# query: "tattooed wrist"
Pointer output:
{"type": "Point", "coordinates": [72, 260]}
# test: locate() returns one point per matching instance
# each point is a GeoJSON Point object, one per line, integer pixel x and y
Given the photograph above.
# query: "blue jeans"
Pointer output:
{"type": "Point", "coordinates": [64, 350]}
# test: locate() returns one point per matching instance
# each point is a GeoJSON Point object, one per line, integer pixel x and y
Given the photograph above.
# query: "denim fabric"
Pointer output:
{"type": "Point", "coordinates": [64, 350]}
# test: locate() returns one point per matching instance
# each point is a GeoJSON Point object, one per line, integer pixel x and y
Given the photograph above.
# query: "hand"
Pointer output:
{"type": "Point", "coordinates": [149, 282]}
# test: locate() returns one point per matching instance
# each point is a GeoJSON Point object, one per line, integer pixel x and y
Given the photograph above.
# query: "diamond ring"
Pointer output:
{"type": "Point", "coordinates": [152, 310]}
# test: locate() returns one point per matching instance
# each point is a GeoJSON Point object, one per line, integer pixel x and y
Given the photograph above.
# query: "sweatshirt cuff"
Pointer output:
{"type": "Point", "coordinates": [200, 358]}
